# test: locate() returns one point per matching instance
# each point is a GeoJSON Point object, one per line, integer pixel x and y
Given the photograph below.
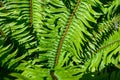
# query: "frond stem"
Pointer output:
{"type": "Point", "coordinates": [1, 4]}
{"type": "Point", "coordinates": [53, 75]}
{"type": "Point", "coordinates": [65, 32]}
{"type": "Point", "coordinates": [2, 33]}
{"type": "Point", "coordinates": [43, 7]}
{"type": "Point", "coordinates": [108, 45]}
{"type": "Point", "coordinates": [31, 16]}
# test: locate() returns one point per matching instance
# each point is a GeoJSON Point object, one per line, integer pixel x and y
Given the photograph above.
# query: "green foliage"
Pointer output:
{"type": "Point", "coordinates": [59, 40]}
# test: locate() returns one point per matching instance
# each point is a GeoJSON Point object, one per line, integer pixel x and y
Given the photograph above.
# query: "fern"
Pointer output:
{"type": "Point", "coordinates": [59, 39]}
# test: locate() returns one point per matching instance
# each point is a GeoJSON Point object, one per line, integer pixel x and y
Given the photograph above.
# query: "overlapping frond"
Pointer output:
{"type": "Point", "coordinates": [18, 40]}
